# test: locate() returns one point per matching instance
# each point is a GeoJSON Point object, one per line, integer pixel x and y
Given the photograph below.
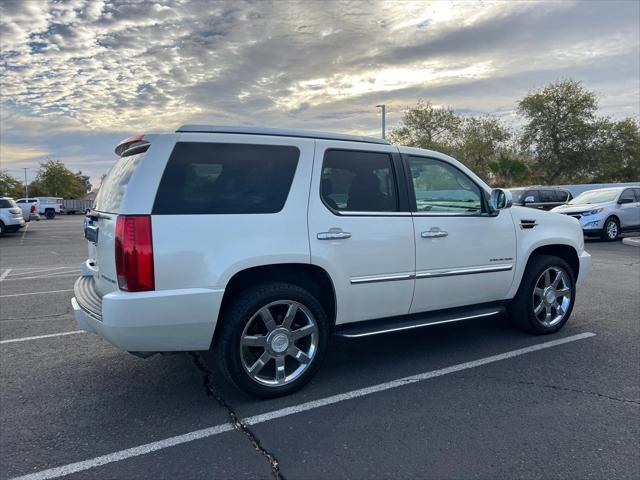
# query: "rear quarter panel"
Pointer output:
{"type": "Point", "coordinates": [205, 251]}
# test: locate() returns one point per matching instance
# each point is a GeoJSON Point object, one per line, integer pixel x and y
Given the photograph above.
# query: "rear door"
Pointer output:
{"type": "Point", "coordinates": [360, 228]}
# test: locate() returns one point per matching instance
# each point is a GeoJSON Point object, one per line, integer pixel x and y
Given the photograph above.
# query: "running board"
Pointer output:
{"type": "Point", "coordinates": [407, 322]}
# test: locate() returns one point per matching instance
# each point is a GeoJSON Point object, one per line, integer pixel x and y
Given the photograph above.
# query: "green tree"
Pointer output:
{"type": "Point", "coordinates": [84, 181]}
{"type": "Point", "coordinates": [10, 186]}
{"type": "Point", "coordinates": [482, 140]}
{"type": "Point", "coordinates": [508, 171]}
{"type": "Point", "coordinates": [617, 151]}
{"type": "Point", "coordinates": [56, 180]}
{"type": "Point", "coordinates": [559, 130]}
{"type": "Point", "coordinates": [426, 126]}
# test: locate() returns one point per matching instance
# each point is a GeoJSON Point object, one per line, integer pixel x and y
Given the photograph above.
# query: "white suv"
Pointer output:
{"type": "Point", "coordinates": [606, 212]}
{"type": "Point", "coordinates": [258, 244]}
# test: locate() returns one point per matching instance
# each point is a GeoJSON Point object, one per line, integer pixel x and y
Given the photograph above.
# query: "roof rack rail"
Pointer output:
{"type": "Point", "coordinates": [280, 132]}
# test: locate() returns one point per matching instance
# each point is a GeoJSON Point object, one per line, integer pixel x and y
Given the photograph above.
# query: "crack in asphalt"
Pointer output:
{"type": "Point", "coordinates": [564, 389]}
{"type": "Point", "coordinates": [236, 422]}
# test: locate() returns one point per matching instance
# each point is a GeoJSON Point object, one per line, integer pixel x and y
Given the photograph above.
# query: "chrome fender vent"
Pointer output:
{"type": "Point", "coordinates": [528, 224]}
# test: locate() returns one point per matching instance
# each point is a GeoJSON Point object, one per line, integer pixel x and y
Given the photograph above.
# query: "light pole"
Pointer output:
{"type": "Point", "coordinates": [26, 189]}
{"type": "Point", "coordinates": [384, 116]}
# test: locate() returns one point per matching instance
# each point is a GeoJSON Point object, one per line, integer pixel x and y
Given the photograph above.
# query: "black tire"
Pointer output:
{"type": "Point", "coordinates": [50, 214]}
{"type": "Point", "coordinates": [610, 230]}
{"type": "Point", "coordinates": [228, 352]}
{"type": "Point", "coordinates": [2, 229]}
{"type": "Point", "coordinates": [521, 308]}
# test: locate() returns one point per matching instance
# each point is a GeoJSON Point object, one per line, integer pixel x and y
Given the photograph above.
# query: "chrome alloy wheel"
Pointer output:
{"type": "Point", "coordinates": [552, 296]}
{"type": "Point", "coordinates": [279, 343]}
{"type": "Point", "coordinates": [612, 230]}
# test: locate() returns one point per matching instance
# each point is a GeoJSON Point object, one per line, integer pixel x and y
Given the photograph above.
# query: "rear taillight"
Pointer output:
{"type": "Point", "coordinates": [33, 208]}
{"type": "Point", "coordinates": [15, 211]}
{"type": "Point", "coordinates": [134, 253]}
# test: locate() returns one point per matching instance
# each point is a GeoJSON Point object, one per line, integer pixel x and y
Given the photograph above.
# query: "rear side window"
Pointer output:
{"type": "Point", "coordinates": [226, 178]}
{"type": "Point", "coordinates": [5, 203]}
{"type": "Point", "coordinates": [547, 196]}
{"type": "Point", "coordinates": [354, 181]}
{"type": "Point", "coordinates": [114, 185]}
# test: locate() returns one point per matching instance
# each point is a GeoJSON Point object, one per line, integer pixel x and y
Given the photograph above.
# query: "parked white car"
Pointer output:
{"type": "Point", "coordinates": [11, 219]}
{"type": "Point", "coordinates": [47, 206]}
{"type": "Point", "coordinates": [258, 244]}
{"type": "Point", "coordinates": [29, 209]}
{"type": "Point", "coordinates": [606, 212]}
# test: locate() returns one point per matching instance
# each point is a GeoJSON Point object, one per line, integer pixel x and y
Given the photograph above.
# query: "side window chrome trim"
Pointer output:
{"type": "Point", "coordinates": [371, 214]}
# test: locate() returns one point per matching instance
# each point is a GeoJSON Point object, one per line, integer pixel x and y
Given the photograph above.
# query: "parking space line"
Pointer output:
{"type": "Point", "coordinates": [37, 337]}
{"type": "Point", "coordinates": [4, 274]}
{"type": "Point", "coordinates": [34, 293]}
{"type": "Point", "coordinates": [24, 233]}
{"type": "Point", "coordinates": [48, 275]}
{"type": "Point", "coordinates": [284, 412]}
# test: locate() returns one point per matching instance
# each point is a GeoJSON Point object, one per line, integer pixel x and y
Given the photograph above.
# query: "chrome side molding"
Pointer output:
{"type": "Point", "coordinates": [431, 274]}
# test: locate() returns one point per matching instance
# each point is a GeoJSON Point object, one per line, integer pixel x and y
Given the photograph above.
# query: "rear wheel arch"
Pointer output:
{"type": "Point", "coordinates": [312, 278]}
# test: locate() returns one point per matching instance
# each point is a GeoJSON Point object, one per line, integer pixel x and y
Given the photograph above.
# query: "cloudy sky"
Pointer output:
{"type": "Point", "coordinates": [79, 75]}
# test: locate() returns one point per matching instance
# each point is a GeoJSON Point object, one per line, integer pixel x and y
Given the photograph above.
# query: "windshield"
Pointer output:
{"type": "Point", "coordinates": [516, 194]}
{"type": "Point", "coordinates": [595, 196]}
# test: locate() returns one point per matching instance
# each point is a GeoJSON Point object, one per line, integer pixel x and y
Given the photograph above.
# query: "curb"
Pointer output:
{"type": "Point", "coordinates": [632, 241]}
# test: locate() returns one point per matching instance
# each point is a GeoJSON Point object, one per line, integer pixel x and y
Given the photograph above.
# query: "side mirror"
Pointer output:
{"type": "Point", "coordinates": [529, 199]}
{"type": "Point", "coordinates": [500, 199]}
{"type": "Point", "coordinates": [625, 200]}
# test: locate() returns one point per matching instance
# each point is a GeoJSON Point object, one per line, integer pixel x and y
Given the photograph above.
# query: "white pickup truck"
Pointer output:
{"type": "Point", "coordinates": [47, 206]}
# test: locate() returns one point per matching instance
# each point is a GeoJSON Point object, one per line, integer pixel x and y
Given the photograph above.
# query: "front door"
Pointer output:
{"type": "Point", "coordinates": [361, 230]}
{"type": "Point", "coordinates": [464, 256]}
{"type": "Point", "coordinates": [629, 212]}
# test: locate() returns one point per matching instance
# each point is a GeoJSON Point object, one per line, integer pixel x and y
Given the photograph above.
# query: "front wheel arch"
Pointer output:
{"type": "Point", "coordinates": [566, 252]}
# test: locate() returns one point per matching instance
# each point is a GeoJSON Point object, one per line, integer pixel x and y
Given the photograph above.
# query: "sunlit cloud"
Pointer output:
{"type": "Point", "coordinates": [77, 75]}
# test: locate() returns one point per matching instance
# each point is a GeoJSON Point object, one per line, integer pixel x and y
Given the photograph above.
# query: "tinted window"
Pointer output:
{"type": "Point", "coordinates": [4, 203]}
{"type": "Point", "coordinates": [628, 193]}
{"type": "Point", "coordinates": [548, 196]}
{"type": "Point", "coordinates": [21, 201]}
{"type": "Point", "coordinates": [220, 178]}
{"type": "Point", "coordinates": [442, 188]}
{"type": "Point", "coordinates": [114, 185]}
{"type": "Point", "coordinates": [562, 196]}
{"type": "Point", "coordinates": [358, 181]}
{"type": "Point", "coordinates": [637, 192]}
{"type": "Point", "coordinates": [533, 196]}
{"type": "Point", "coordinates": [517, 195]}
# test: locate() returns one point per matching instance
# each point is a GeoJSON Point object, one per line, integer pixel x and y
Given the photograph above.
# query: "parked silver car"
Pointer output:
{"type": "Point", "coordinates": [606, 212]}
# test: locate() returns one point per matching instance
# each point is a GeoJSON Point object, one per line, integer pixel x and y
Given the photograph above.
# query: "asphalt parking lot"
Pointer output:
{"type": "Point", "coordinates": [472, 400]}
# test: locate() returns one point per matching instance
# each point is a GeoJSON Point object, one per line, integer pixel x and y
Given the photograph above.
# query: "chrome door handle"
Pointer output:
{"type": "Point", "coordinates": [434, 234]}
{"type": "Point", "coordinates": [333, 235]}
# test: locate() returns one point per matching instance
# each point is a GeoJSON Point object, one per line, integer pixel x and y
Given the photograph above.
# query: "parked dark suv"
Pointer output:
{"type": "Point", "coordinates": [541, 198]}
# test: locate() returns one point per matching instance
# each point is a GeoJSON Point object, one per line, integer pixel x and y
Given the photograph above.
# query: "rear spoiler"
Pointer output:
{"type": "Point", "coordinates": [132, 145]}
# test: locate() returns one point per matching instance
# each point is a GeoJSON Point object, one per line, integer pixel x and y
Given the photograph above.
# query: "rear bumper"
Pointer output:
{"type": "Point", "coordinates": [159, 321]}
{"type": "Point", "coordinates": [14, 223]}
{"type": "Point", "coordinates": [585, 268]}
